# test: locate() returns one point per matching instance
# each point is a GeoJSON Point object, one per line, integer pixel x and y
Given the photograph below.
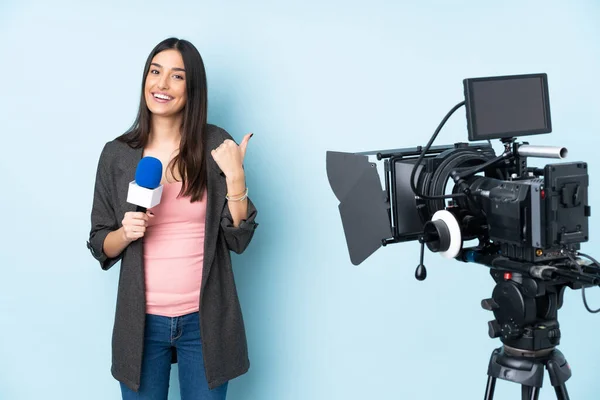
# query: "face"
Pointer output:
{"type": "Point", "coordinates": [165, 84]}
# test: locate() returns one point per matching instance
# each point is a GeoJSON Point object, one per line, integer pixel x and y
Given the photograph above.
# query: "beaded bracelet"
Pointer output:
{"type": "Point", "coordinates": [244, 195]}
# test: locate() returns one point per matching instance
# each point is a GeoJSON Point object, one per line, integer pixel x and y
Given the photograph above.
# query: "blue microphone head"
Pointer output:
{"type": "Point", "coordinates": [149, 173]}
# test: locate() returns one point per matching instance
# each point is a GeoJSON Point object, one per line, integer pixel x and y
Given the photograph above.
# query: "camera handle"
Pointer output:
{"type": "Point", "coordinates": [421, 272]}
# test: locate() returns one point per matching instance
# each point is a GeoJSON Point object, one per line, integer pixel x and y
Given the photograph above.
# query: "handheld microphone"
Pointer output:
{"type": "Point", "coordinates": [145, 191]}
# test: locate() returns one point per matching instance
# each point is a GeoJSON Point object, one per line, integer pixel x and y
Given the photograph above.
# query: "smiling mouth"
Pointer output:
{"type": "Point", "coordinates": [162, 97]}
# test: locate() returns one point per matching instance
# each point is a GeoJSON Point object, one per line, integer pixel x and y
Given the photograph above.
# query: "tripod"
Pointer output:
{"type": "Point", "coordinates": [527, 368]}
{"type": "Point", "coordinates": [526, 322]}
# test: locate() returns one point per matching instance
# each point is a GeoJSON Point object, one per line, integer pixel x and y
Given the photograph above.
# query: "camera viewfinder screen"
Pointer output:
{"type": "Point", "coordinates": [509, 106]}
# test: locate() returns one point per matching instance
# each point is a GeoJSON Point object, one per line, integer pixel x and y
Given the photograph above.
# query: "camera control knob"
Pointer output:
{"type": "Point", "coordinates": [489, 304]}
{"type": "Point", "coordinates": [494, 329]}
{"type": "Point", "coordinates": [554, 336]}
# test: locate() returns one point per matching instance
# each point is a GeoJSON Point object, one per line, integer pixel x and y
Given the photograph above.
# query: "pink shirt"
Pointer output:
{"type": "Point", "coordinates": [174, 254]}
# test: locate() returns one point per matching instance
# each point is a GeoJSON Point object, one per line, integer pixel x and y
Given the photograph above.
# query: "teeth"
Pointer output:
{"type": "Point", "coordinates": [162, 96]}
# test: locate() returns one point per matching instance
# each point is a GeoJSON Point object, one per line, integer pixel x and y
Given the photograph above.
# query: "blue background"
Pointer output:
{"type": "Point", "coordinates": [305, 77]}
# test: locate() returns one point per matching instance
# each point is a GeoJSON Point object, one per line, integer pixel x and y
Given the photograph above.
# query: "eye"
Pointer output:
{"type": "Point", "coordinates": [178, 77]}
{"type": "Point", "coordinates": [154, 71]}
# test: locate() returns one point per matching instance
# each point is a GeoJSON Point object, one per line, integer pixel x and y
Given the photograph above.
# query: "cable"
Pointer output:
{"type": "Point", "coordinates": [422, 155]}
{"type": "Point", "coordinates": [581, 271]}
{"type": "Point", "coordinates": [436, 181]}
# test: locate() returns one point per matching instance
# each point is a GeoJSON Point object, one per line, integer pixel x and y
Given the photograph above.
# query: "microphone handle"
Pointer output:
{"type": "Point", "coordinates": [140, 209]}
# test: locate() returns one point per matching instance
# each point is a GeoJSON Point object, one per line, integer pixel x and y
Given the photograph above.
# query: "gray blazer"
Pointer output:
{"type": "Point", "coordinates": [223, 334]}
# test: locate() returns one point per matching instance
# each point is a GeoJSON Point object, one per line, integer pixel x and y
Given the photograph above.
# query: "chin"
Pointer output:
{"type": "Point", "coordinates": [162, 111]}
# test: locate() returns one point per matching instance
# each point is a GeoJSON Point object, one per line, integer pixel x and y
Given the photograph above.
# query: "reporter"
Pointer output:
{"type": "Point", "coordinates": [176, 293]}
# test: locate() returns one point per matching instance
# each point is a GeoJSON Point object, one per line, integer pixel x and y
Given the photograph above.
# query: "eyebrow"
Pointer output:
{"type": "Point", "coordinates": [174, 69]}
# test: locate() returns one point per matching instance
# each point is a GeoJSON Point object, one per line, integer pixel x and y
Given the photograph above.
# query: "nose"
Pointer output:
{"type": "Point", "coordinates": [163, 82]}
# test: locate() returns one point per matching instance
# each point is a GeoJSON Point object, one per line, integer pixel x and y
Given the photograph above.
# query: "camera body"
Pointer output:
{"type": "Point", "coordinates": [533, 219]}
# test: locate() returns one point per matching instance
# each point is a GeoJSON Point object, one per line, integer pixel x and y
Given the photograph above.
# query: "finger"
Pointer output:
{"type": "Point", "coordinates": [137, 222]}
{"type": "Point", "coordinates": [139, 215]}
{"type": "Point", "coordinates": [136, 230]}
{"type": "Point", "coordinates": [129, 234]}
{"type": "Point", "coordinates": [133, 228]}
{"type": "Point", "coordinates": [244, 144]}
{"type": "Point", "coordinates": [129, 217]}
{"type": "Point", "coordinates": [135, 235]}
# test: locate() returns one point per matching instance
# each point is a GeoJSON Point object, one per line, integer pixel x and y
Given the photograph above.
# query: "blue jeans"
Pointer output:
{"type": "Point", "coordinates": [162, 334]}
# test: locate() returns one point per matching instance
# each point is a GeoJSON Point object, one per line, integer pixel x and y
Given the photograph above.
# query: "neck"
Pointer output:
{"type": "Point", "coordinates": [165, 130]}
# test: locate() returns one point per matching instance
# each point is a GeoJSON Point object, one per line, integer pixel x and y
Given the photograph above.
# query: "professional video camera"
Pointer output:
{"type": "Point", "coordinates": [528, 222]}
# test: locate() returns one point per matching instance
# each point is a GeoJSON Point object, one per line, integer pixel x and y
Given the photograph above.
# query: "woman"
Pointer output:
{"type": "Point", "coordinates": [176, 294]}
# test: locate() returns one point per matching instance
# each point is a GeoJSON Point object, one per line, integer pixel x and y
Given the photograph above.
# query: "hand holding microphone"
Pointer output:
{"type": "Point", "coordinates": [134, 225]}
{"type": "Point", "coordinates": [145, 192]}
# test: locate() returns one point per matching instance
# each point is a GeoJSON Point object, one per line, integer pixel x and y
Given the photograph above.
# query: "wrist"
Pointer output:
{"type": "Point", "coordinates": [236, 179]}
{"type": "Point", "coordinates": [123, 236]}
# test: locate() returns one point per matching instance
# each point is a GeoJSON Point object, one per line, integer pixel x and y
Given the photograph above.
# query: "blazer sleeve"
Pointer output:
{"type": "Point", "coordinates": [103, 219]}
{"type": "Point", "coordinates": [238, 238]}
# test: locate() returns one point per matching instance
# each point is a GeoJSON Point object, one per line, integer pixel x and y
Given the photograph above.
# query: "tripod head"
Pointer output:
{"type": "Point", "coordinates": [527, 296]}
{"type": "Point", "coordinates": [525, 303]}
{"type": "Point", "coordinates": [525, 311]}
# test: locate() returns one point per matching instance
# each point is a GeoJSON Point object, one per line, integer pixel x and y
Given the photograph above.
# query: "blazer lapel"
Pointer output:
{"type": "Point", "coordinates": [129, 165]}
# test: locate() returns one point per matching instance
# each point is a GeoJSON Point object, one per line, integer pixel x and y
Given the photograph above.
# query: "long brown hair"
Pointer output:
{"type": "Point", "coordinates": [190, 161]}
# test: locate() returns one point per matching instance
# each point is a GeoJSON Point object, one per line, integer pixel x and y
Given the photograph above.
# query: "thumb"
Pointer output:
{"type": "Point", "coordinates": [244, 144]}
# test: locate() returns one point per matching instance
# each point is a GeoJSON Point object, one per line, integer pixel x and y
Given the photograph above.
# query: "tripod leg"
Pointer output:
{"type": "Point", "coordinates": [559, 372]}
{"type": "Point", "coordinates": [489, 390]}
{"type": "Point", "coordinates": [529, 392]}
{"type": "Point", "coordinates": [535, 393]}
{"type": "Point", "coordinates": [561, 392]}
